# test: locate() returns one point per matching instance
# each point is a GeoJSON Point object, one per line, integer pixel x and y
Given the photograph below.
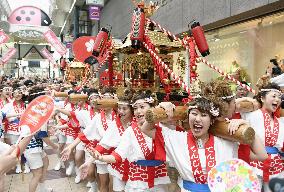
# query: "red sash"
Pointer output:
{"type": "Point", "coordinates": [146, 151]}
{"type": "Point", "coordinates": [198, 174]}
{"type": "Point", "coordinates": [142, 142]}
{"type": "Point", "coordinates": [73, 108]}
{"type": "Point", "coordinates": [73, 122]}
{"type": "Point", "coordinates": [271, 136]}
{"type": "Point", "coordinates": [113, 115]}
{"type": "Point", "coordinates": [19, 109]}
{"type": "Point", "coordinates": [85, 107]}
{"type": "Point", "coordinates": [103, 119]}
{"type": "Point", "coordinates": [119, 126]}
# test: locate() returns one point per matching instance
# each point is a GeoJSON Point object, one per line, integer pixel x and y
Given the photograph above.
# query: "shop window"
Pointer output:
{"type": "Point", "coordinates": [247, 46]}
{"type": "Point", "coordinates": [34, 64]}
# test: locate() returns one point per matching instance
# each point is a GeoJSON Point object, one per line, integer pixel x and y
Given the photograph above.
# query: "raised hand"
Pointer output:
{"type": "Point", "coordinates": [234, 125]}
{"type": "Point", "coordinates": [65, 154]}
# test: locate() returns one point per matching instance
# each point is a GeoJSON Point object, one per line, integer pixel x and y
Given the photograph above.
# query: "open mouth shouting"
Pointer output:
{"type": "Point", "coordinates": [139, 117]}
{"type": "Point", "coordinates": [275, 106]}
{"type": "Point", "coordinates": [197, 128]}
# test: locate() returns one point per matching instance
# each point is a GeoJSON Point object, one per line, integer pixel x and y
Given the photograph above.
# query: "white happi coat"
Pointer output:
{"type": "Point", "coordinates": [130, 149]}
{"type": "Point", "coordinates": [9, 109]}
{"type": "Point", "coordinates": [83, 116]}
{"type": "Point", "coordinates": [111, 140]}
{"type": "Point", "coordinates": [172, 146]}
{"type": "Point", "coordinates": [256, 121]}
{"type": "Point", "coordinates": [95, 130]}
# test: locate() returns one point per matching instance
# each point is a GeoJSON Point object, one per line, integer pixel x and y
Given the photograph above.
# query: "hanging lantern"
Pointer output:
{"type": "Point", "coordinates": [63, 64]}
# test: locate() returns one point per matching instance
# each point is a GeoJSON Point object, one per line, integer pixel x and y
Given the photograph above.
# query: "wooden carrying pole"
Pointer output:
{"type": "Point", "coordinates": [60, 94]}
{"type": "Point", "coordinates": [106, 103]}
{"type": "Point", "coordinates": [244, 134]}
{"type": "Point", "coordinates": [78, 97]}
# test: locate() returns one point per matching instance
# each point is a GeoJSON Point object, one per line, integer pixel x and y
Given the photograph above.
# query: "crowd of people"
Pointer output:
{"type": "Point", "coordinates": [116, 149]}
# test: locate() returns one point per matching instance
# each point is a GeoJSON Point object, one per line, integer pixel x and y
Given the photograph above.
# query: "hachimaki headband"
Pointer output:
{"type": "Point", "coordinates": [149, 100]}
{"type": "Point", "coordinates": [268, 90]}
{"type": "Point", "coordinates": [93, 95]}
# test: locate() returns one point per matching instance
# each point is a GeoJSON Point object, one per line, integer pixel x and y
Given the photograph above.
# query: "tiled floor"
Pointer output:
{"type": "Point", "coordinates": [55, 179]}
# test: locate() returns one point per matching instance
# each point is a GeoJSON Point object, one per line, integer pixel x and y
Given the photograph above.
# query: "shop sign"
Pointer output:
{"type": "Point", "coordinates": [94, 12]}
{"type": "Point", "coordinates": [53, 40]}
{"type": "Point", "coordinates": [100, 3]}
{"type": "Point", "coordinates": [48, 56]}
{"type": "Point", "coordinates": [69, 45]}
{"type": "Point", "coordinates": [3, 37]}
{"type": "Point", "coordinates": [11, 52]}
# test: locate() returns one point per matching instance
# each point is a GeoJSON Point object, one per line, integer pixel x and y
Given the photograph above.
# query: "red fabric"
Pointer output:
{"type": "Point", "coordinates": [103, 120]}
{"type": "Point", "coordinates": [89, 144]}
{"type": "Point", "coordinates": [179, 129]}
{"type": "Point", "coordinates": [13, 127]}
{"type": "Point", "coordinates": [119, 126]}
{"type": "Point", "coordinates": [277, 112]}
{"type": "Point", "coordinates": [148, 154]}
{"type": "Point", "coordinates": [122, 168]}
{"type": "Point", "coordinates": [73, 126]}
{"type": "Point", "coordinates": [244, 152]}
{"type": "Point", "coordinates": [83, 138]}
{"type": "Point", "coordinates": [146, 174]}
{"type": "Point", "coordinates": [198, 174]}
{"type": "Point", "coordinates": [275, 165]}
{"type": "Point", "coordinates": [117, 157]}
{"type": "Point", "coordinates": [101, 149]}
{"type": "Point", "coordinates": [236, 116]}
{"type": "Point", "coordinates": [5, 123]}
{"type": "Point", "coordinates": [62, 121]}
{"type": "Point", "coordinates": [73, 115]}
{"type": "Point", "coordinates": [113, 115]}
{"type": "Point", "coordinates": [266, 165]}
{"type": "Point", "coordinates": [160, 151]}
{"type": "Point", "coordinates": [271, 135]}
{"type": "Point", "coordinates": [17, 108]}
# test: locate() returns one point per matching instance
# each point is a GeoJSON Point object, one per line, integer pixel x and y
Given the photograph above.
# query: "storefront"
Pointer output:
{"type": "Point", "coordinates": [249, 44]}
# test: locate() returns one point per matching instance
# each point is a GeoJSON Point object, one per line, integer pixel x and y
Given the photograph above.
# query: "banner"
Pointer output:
{"type": "Point", "coordinates": [48, 56]}
{"type": "Point", "coordinates": [3, 37]}
{"type": "Point", "coordinates": [36, 115]}
{"type": "Point", "coordinates": [53, 40]}
{"type": "Point", "coordinates": [94, 13]}
{"type": "Point", "coordinates": [10, 53]}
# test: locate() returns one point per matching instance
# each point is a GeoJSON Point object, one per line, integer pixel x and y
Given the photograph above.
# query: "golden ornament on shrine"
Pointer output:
{"type": "Point", "coordinates": [194, 68]}
{"type": "Point", "coordinates": [149, 8]}
{"type": "Point", "coordinates": [166, 81]}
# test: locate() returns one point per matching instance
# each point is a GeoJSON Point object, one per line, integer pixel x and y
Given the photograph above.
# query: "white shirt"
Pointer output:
{"type": "Point", "coordinates": [176, 148]}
